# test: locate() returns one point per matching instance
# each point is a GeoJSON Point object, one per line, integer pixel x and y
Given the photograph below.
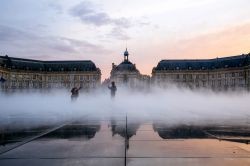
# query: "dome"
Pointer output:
{"type": "Point", "coordinates": [126, 65]}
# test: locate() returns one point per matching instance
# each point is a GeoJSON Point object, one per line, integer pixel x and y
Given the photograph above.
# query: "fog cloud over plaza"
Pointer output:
{"type": "Point", "coordinates": [173, 106]}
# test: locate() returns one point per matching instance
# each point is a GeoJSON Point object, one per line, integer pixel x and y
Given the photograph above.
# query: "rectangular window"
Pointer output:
{"type": "Point", "coordinates": [219, 82]}
{"type": "Point", "coordinates": [20, 76]}
{"type": "Point", "coordinates": [13, 76]}
{"type": "Point", "coordinates": [34, 77]}
{"type": "Point", "coordinates": [203, 83]}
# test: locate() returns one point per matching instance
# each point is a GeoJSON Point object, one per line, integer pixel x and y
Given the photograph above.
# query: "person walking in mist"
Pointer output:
{"type": "Point", "coordinates": [2, 80]}
{"type": "Point", "coordinates": [112, 89]}
{"type": "Point", "coordinates": [75, 93]}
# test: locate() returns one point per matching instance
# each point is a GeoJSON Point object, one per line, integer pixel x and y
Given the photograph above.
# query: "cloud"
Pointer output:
{"type": "Point", "coordinates": [88, 14]}
{"type": "Point", "coordinates": [19, 42]}
{"type": "Point", "coordinates": [229, 41]}
{"type": "Point", "coordinates": [56, 6]}
{"type": "Point", "coordinates": [119, 33]}
{"type": "Point", "coordinates": [10, 34]}
{"type": "Point", "coordinates": [234, 40]}
{"type": "Point", "coordinates": [80, 45]}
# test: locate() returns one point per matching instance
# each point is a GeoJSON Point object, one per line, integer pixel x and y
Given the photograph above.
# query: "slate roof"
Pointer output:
{"type": "Point", "coordinates": [204, 64]}
{"type": "Point", "coordinates": [126, 66]}
{"type": "Point", "coordinates": [37, 65]}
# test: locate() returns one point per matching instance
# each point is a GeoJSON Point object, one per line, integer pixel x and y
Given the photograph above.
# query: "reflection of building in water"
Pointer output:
{"type": "Point", "coordinates": [120, 128]}
{"type": "Point", "coordinates": [238, 134]}
{"type": "Point", "coordinates": [126, 131]}
{"type": "Point", "coordinates": [127, 74]}
{"type": "Point", "coordinates": [75, 131]}
{"type": "Point", "coordinates": [181, 131]}
{"type": "Point", "coordinates": [26, 73]}
{"type": "Point", "coordinates": [220, 73]}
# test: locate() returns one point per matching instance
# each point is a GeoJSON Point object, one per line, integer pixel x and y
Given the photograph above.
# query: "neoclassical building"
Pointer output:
{"type": "Point", "coordinates": [19, 73]}
{"type": "Point", "coordinates": [126, 74]}
{"type": "Point", "coordinates": [219, 73]}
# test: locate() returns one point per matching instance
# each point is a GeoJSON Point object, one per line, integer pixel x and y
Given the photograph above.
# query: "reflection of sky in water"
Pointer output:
{"type": "Point", "coordinates": [90, 140]}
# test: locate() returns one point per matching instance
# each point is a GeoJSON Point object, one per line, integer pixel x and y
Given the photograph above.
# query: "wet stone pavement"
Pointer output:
{"type": "Point", "coordinates": [117, 141]}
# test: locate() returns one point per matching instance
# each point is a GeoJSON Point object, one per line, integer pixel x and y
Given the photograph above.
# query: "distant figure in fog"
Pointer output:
{"type": "Point", "coordinates": [112, 89]}
{"type": "Point", "coordinates": [75, 93]}
{"type": "Point", "coordinates": [2, 80]}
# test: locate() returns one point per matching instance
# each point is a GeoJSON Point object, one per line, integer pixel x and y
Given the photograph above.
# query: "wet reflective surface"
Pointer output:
{"type": "Point", "coordinates": [117, 141]}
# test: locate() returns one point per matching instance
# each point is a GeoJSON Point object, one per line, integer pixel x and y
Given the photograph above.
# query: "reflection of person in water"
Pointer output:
{"type": "Point", "coordinates": [112, 89]}
{"type": "Point", "coordinates": [75, 93]}
{"type": "Point", "coordinates": [127, 130]}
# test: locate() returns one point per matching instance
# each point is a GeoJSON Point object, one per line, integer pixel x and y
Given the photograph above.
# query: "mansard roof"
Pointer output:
{"type": "Point", "coordinates": [37, 65]}
{"type": "Point", "coordinates": [126, 66]}
{"type": "Point", "coordinates": [204, 64]}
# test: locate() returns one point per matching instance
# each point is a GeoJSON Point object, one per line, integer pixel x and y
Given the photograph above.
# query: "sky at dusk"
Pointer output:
{"type": "Point", "coordinates": [99, 30]}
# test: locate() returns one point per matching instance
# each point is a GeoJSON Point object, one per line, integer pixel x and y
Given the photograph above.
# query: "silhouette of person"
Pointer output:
{"type": "Point", "coordinates": [2, 80]}
{"type": "Point", "coordinates": [75, 93]}
{"type": "Point", "coordinates": [112, 89]}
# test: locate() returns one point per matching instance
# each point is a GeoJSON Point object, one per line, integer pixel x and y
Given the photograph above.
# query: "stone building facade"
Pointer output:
{"type": "Point", "coordinates": [219, 73]}
{"type": "Point", "coordinates": [126, 74]}
{"type": "Point", "coordinates": [18, 73]}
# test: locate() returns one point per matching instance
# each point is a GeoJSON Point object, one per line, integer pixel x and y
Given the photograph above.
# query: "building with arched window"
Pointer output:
{"type": "Point", "coordinates": [126, 74]}
{"type": "Point", "coordinates": [19, 73]}
{"type": "Point", "coordinates": [219, 73]}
